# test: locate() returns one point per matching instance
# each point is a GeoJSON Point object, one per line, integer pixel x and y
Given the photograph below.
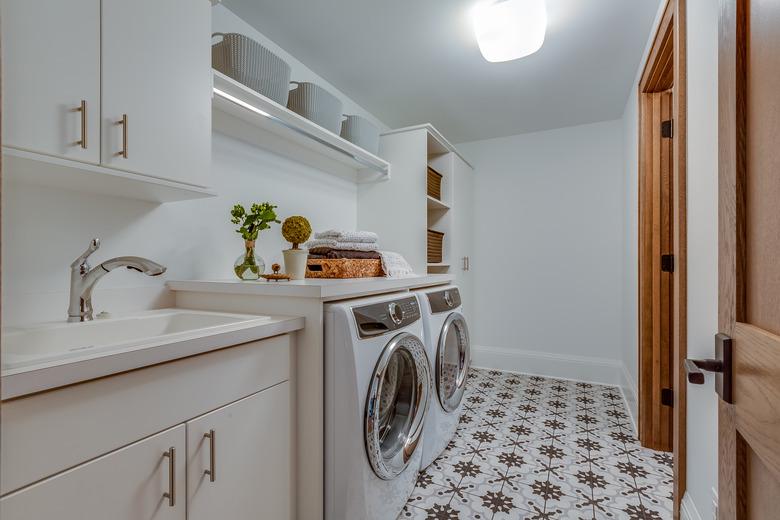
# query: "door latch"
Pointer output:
{"type": "Point", "coordinates": [721, 365]}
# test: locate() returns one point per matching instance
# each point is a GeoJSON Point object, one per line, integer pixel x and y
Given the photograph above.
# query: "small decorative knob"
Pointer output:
{"type": "Point", "coordinates": [276, 268]}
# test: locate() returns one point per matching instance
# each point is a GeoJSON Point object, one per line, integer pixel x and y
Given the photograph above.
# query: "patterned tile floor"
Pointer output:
{"type": "Point", "coordinates": [535, 448]}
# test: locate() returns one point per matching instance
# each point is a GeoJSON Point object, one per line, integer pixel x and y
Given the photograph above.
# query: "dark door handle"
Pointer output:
{"type": "Point", "coordinates": [694, 367]}
{"type": "Point", "coordinates": [722, 366]}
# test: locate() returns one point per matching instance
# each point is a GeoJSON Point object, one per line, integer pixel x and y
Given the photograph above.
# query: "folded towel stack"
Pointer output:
{"type": "Point", "coordinates": [333, 240]}
{"type": "Point", "coordinates": [364, 245]}
{"type": "Point", "coordinates": [366, 237]}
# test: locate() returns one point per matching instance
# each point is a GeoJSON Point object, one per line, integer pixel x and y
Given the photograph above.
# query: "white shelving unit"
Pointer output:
{"type": "Point", "coordinates": [267, 124]}
{"type": "Point", "coordinates": [401, 210]}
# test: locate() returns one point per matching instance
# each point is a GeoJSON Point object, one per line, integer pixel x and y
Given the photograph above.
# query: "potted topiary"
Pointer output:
{"type": "Point", "coordinates": [249, 266]}
{"type": "Point", "coordinates": [296, 230]}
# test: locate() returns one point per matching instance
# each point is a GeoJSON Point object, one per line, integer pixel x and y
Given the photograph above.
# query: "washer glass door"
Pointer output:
{"type": "Point", "coordinates": [396, 405]}
{"type": "Point", "coordinates": [452, 361]}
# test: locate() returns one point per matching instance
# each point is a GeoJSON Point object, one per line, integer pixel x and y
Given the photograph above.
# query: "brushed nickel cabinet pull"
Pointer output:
{"type": "Point", "coordinates": [171, 494]}
{"type": "Point", "coordinates": [212, 471]}
{"type": "Point", "coordinates": [83, 109]}
{"type": "Point", "coordinates": [123, 122]}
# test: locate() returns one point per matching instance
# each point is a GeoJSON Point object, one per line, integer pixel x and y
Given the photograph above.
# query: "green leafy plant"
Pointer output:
{"type": "Point", "coordinates": [296, 230]}
{"type": "Point", "coordinates": [252, 222]}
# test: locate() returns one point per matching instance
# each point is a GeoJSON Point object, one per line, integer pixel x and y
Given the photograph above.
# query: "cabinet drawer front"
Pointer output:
{"type": "Point", "coordinates": [127, 484]}
{"type": "Point", "coordinates": [47, 433]}
{"type": "Point", "coordinates": [247, 447]}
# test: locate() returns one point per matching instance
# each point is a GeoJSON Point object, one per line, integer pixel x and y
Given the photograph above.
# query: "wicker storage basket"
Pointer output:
{"type": "Point", "coordinates": [316, 104]}
{"type": "Point", "coordinates": [434, 183]}
{"type": "Point", "coordinates": [362, 132]}
{"type": "Point", "coordinates": [343, 268]}
{"type": "Point", "coordinates": [251, 64]}
{"type": "Point", "coordinates": [435, 249]}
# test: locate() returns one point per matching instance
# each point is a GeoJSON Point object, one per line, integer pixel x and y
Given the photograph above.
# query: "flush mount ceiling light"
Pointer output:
{"type": "Point", "coordinates": [509, 29]}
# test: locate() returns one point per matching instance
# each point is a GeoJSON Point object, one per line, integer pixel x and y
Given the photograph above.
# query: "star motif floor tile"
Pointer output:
{"type": "Point", "coordinates": [530, 447]}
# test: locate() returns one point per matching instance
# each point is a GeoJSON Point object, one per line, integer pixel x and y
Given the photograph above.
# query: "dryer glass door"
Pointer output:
{"type": "Point", "coordinates": [396, 405]}
{"type": "Point", "coordinates": [452, 361]}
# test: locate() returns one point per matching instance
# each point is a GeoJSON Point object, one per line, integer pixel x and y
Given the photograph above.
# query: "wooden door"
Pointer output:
{"type": "Point", "coordinates": [128, 484]}
{"type": "Point", "coordinates": [156, 70]}
{"type": "Point", "coordinates": [749, 256]}
{"type": "Point", "coordinates": [51, 57]}
{"type": "Point", "coordinates": [463, 232]}
{"type": "Point", "coordinates": [245, 448]}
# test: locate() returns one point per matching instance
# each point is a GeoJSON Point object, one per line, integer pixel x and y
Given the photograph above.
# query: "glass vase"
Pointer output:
{"type": "Point", "coordinates": [249, 266]}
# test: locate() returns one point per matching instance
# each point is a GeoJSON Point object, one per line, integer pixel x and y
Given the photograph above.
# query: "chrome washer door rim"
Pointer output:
{"type": "Point", "coordinates": [457, 321]}
{"type": "Point", "coordinates": [389, 467]}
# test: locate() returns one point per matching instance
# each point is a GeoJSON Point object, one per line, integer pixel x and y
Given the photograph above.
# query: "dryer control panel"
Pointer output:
{"type": "Point", "coordinates": [444, 301]}
{"type": "Point", "coordinates": [381, 318]}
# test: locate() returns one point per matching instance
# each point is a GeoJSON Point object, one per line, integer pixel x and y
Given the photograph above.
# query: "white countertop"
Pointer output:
{"type": "Point", "coordinates": [318, 288]}
{"type": "Point", "coordinates": [35, 378]}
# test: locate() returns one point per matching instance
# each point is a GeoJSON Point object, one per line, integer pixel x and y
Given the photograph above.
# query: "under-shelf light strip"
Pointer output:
{"type": "Point", "coordinates": [252, 108]}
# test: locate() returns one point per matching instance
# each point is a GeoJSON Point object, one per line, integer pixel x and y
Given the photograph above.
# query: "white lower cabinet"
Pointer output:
{"type": "Point", "coordinates": [143, 480]}
{"type": "Point", "coordinates": [91, 452]}
{"type": "Point", "coordinates": [238, 463]}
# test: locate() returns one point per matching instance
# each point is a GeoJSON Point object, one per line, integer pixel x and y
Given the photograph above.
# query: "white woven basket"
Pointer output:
{"type": "Point", "coordinates": [316, 104]}
{"type": "Point", "coordinates": [362, 132]}
{"type": "Point", "coordinates": [248, 62]}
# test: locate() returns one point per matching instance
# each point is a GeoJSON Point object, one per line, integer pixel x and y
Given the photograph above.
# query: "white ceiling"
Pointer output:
{"type": "Point", "coordinates": [415, 61]}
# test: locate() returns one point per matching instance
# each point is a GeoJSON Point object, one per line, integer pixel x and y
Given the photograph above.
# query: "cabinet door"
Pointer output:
{"type": "Point", "coordinates": [127, 484]}
{"type": "Point", "coordinates": [464, 232]}
{"type": "Point", "coordinates": [247, 456]}
{"type": "Point", "coordinates": [157, 71]}
{"type": "Point", "coordinates": [51, 62]}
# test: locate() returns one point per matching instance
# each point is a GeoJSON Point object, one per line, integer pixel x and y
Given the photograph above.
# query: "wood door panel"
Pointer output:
{"type": "Point", "coordinates": [757, 392]}
{"type": "Point", "coordinates": [763, 160]}
{"type": "Point", "coordinates": [749, 274]}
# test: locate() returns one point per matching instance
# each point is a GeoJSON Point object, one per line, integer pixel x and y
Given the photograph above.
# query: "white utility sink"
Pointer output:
{"type": "Point", "coordinates": [66, 342]}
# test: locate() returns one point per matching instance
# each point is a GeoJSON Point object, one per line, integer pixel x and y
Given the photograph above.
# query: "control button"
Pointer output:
{"type": "Point", "coordinates": [448, 298]}
{"type": "Point", "coordinates": [396, 313]}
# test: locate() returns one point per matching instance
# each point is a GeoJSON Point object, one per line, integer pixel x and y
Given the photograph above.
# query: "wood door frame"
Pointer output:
{"type": "Point", "coordinates": [666, 68]}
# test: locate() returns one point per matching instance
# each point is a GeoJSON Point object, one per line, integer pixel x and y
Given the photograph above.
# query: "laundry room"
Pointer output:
{"type": "Point", "coordinates": [363, 261]}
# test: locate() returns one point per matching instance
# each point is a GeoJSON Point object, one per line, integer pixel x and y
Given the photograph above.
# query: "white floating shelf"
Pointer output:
{"type": "Point", "coordinates": [438, 266]}
{"type": "Point", "coordinates": [434, 203]}
{"type": "Point", "coordinates": [241, 102]}
{"type": "Point", "coordinates": [21, 166]}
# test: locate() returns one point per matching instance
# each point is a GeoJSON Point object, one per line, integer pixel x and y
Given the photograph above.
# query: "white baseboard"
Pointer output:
{"type": "Point", "coordinates": [630, 395]}
{"type": "Point", "coordinates": [688, 509]}
{"type": "Point", "coordinates": [593, 370]}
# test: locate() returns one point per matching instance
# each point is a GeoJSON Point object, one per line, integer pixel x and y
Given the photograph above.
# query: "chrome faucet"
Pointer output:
{"type": "Point", "coordinates": [83, 278]}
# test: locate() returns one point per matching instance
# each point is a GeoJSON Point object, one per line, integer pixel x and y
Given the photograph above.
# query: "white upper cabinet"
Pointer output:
{"type": "Point", "coordinates": [143, 480]}
{"type": "Point", "coordinates": [156, 77]}
{"type": "Point", "coordinates": [51, 63]}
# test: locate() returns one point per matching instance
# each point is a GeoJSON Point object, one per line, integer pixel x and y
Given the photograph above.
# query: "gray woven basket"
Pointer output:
{"type": "Point", "coordinates": [362, 132]}
{"type": "Point", "coordinates": [251, 64]}
{"type": "Point", "coordinates": [316, 104]}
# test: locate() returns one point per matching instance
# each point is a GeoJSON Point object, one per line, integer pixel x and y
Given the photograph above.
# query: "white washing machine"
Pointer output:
{"type": "Point", "coordinates": [446, 337]}
{"type": "Point", "coordinates": [377, 390]}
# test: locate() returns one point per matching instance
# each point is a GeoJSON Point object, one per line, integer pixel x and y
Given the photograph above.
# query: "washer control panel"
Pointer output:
{"type": "Point", "coordinates": [445, 300]}
{"type": "Point", "coordinates": [381, 318]}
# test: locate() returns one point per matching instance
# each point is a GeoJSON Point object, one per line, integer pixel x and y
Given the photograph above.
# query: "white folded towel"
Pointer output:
{"type": "Point", "coordinates": [335, 244]}
{"type": "Point", "coordinates": [320, 242]}
{"type": "Point", "coordinates": [348, 236]}
{"type": "Point", "coordinates": [395, 266]}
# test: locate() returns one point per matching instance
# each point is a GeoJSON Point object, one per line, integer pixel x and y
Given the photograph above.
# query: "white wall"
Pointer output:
{"type": "Point", "coordinates": [549, 248]}
{"type": "Point", "coordinates": [630, 318]}
{"type": "Point", "coordinates": [45, 229]}
{"type": "Point", "coordinates": [702, 230]}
